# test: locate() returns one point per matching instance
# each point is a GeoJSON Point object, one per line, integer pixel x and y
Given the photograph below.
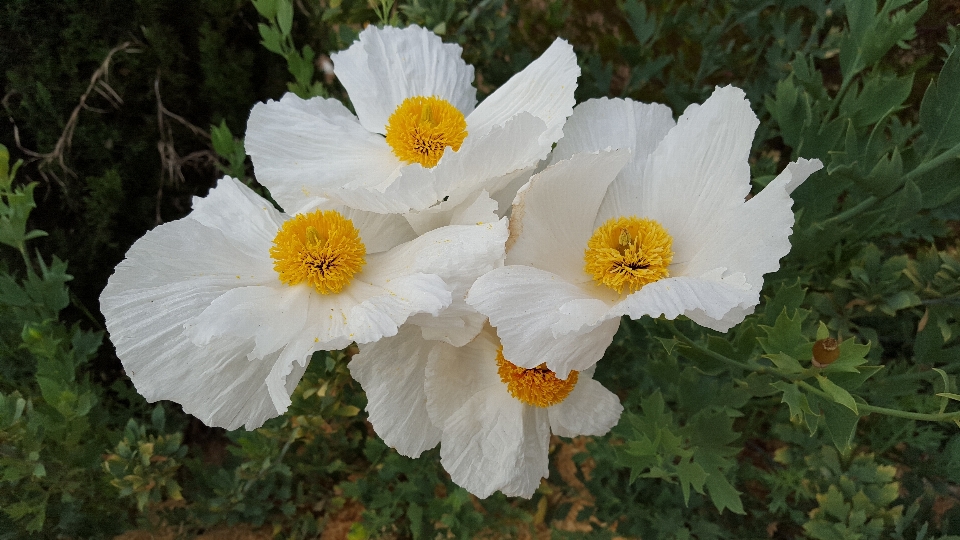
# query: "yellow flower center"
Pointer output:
{"type": "Point", "coordinates": [423, 127]}
{"type": "Point", "coordinates": [322, 248]}
{"type": "Point", "coordinates": [539, 386]}
{"type": "Point", "coordinates": [628, 252]}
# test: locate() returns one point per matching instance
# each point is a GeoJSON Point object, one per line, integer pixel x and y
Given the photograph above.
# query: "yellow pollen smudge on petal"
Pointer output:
{"type": "Point", "coordinates": [628, 253]}
{"type": "Point", "coordinates": [539, 386]}
{"type": "Point", "coordinates": [322, 248]}
{"type": "Point", "coordinates": [421, 128]}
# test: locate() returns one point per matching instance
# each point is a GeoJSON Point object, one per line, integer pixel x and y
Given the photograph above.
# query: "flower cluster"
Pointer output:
{"type": "Point", "coordinates": [480, 256]}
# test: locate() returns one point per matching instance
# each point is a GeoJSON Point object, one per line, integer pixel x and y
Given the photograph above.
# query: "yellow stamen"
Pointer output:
{"type": "Point", "coordinates": [628, 252]}
{"type": "Point", "coordinates": [539, 386]}
{"type": "Point", "coordinates": [421, 128]}
{"type": "Point", "coordinates": [322, 248]}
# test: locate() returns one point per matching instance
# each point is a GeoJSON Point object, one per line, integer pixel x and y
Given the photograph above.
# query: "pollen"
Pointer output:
{"type": "Point", "coordinates": [421, 128]}
{"type": "Point", "coordinates": [322, 248]}
{"type": "Point", "coordinates": [539, 386]}
{"type": "Point", "coordinates": [628, 253]}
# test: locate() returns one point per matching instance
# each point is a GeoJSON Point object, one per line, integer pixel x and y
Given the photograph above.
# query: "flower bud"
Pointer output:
{"type": "Point", "coordinates": [825, 352]}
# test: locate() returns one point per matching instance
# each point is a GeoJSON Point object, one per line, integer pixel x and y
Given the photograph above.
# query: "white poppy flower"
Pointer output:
{"type": "Point", "coordinates": [417, 139]}
{"type": "Point", "coordinates": [668, 234]}
{"type": "Point", "coordinates": [492, 419]}
{"type": "Point", "coordinates": [221, 310]}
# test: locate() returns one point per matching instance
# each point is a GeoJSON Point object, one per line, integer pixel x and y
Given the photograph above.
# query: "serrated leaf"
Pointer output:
{"type": "Point", "coordinates": [785, 363]}
{"type": "Point", "coordinates": [691, 475]}
{"type": "Point", "coordinates": [838, 394]}
{"type": "Point", "coordinates": [940, 108]}
{"type": "Point", "coordinates": [786, 336]}
{"type": "Point", "coordinates": [852, 354]}
{"type": "Point", "coordinates": [840, 421]}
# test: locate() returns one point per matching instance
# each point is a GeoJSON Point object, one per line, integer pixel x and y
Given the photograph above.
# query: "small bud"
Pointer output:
{"type": "Point", "coordinates": [825, 352]}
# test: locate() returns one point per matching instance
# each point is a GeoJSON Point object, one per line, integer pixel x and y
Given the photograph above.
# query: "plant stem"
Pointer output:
{"type": "Point", "coordinates": [944, 157]}
{"type": "Point", "coordinates": [864, 408]}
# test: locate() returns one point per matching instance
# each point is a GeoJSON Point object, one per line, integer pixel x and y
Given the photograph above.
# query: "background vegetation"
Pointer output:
{"type": "Point", "coordinates": [119, 111]}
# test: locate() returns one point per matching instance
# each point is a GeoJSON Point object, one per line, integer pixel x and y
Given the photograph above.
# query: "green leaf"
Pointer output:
{"type": "Point", "coordinates": [786, 336]}
{"type": "Point", "coordinates": [872, 34]}
{"type": "Point", "coordinates": [285, 16]}
{"type": "Point", "coordinates": [838, 394]}
{"type": "Point", "coordinates": [691, 475]}
{"type": "Point", "coordinates": [270, 38]}
{"type": "Point", "coordinates": [798, 404]}
{"type": "Point", "coordinates": [940, 108]}
{"type": "Point", "coordinates": [909, 202]}
{"type": "Point", "coordinates": [841, 422]}
{"type": "Point", "coordinates": [266, 8]}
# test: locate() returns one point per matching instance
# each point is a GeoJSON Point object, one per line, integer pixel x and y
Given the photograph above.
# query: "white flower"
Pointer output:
{"type": "Point", "coordinates": [221, 310]}
{"type": "Point", "coordinates": [417, 138]}
{"type": "Point", "coordinates": [492, 419]}
{"type": "Point", "coordinates": [668, 234]}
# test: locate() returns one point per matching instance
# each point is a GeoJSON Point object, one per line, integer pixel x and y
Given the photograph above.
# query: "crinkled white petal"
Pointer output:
{"type": "Point", "coordinates": [449, 252]}
{"type": "Point", "coordinates": [455, 374]}
{"type": "Point", "coordinates": [713, 294]}
{"type": "Point", "coordinates": [494, 442]}
{"type": "Point", "coordinates": [553, 216]}
{"type": "Point", "coordinates": [232, 208]}
{"type": "Point", "coordinates": [392, 373]}
{"type": "Point", "coordinates": [379, 232]}
{"type": "Point", "coordinates": [480, 164]}
{"type": "Point", "coordinates": [544, 89]}
{"type": "Point", "coordinates": [459, 323]}
{"type": "Point", "coordinates": [700, 171]}
{"type": "Point", "coordinates": [478, 209]}
{"type": "Point", "coordinates": [590, 409]}
{"type": "Point", "coordinates": [749, 239]}
{"type": "Point", "coordinates": [387, 65]}
{"type": "Point", "coordinates": [169, 277]}
{"type": "Point", "coordinates": [599, 124]}
{"type": "Point", "coordinates": [542, 318]}
{"type": "Point", "coordinates": [312, 148]}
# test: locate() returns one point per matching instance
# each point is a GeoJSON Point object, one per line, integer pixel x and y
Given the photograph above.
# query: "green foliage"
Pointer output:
{"type": "Point", "coordinates": [144, 466]}
{"type": "Point", "coordinates": [723, 436]}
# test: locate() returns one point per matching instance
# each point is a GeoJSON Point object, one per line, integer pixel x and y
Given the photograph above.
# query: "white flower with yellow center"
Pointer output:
{"type": "Point", "coordinates": [492, 418]}
{"type": "Point", "coordinates": [221, 310]}
{"type": "Point", "coordinates": [418, 137]}
{"type": "Point", "coordinates": [660, 226]}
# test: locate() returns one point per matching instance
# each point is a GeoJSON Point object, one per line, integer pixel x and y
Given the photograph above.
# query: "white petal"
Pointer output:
{"type": "Point", "coordinates": [388, 304]}
{"type": "Point", "coordinates": [451, 252]}
{"type": "Point", "coordinates": [391, 372]}
{"type": "Point", "coordinates": [478, 209]}
{"type": "Point", "coordinates": [541, 318]}
{"type": "Point", "coordinates": [590, 409]}
{"type": "Point", "coordinates": [599, 124]}
{"type": "Point", "coordinates": [387, 65]}
{"type": "Point", "coordinates": [750, 239]}
{"type": "Point", "coordinates": [796, 173]}
{"type": "Point", "coordinates": [553, 217]}
{"type": "Point", "coordinates": [481, 163]}
{"type": "Point", "coordinates": [494, 442]}
{"type": "Point", "coordinates": [544, 88]}
{"type": "Point", "coordinates": [169, 277]}
{"type": "Point", "coordinates": [456, 324]}
{"type": "Point", "coordinates": [455, 374]}
{"type": "Point", "coordinates": [312, 148]}
{"type": "Point", "coordinates": [700, 170]}
{"type": "Point", "coordinates": [240, 214]}
{"type": "Point", "coordinates": [730, 319]}
{"type": "Point", "coordinates": [379, 232]}
{"type": "Point", "coordinates": [712, 294]}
